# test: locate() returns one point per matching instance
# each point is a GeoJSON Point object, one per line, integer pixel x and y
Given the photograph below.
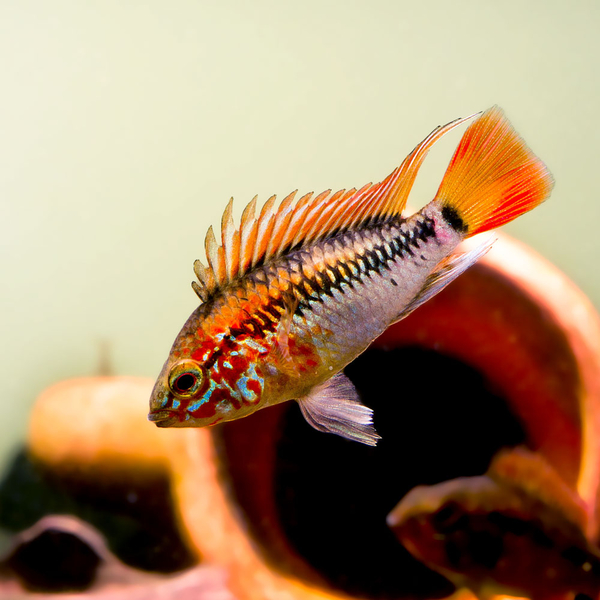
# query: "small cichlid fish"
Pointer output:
{"type": "Point", "coordinates": [297, 292]}
{"type": "Point", "coordinates": [518, 531]}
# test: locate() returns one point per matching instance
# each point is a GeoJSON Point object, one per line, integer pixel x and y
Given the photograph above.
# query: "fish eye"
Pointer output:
{"type": "Point", "coordinates": [185, 378]}
{"type": "Point", "coordinates": [185, 382]}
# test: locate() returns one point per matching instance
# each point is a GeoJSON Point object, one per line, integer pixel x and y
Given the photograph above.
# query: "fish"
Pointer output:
{"type": "Point", "coordinates": [517, 530]}
{"type": "Point", "coordinates": [299, 290]}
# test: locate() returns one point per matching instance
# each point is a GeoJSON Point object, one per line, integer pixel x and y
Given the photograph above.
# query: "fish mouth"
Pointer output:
{"type": "Point", "coordinates": [162, 418]}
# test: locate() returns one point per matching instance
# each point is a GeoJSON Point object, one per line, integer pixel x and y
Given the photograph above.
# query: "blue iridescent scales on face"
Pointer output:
{"type": "Point", "coordinates": [251, 396]}
{"type": "Point", "coordinates": [196, 405]}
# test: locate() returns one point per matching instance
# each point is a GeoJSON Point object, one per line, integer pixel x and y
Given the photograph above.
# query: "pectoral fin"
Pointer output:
{"type": "Point", "coordinates": [334, 407]}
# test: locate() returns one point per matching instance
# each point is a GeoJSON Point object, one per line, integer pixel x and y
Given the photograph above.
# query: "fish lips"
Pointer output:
{"type": "Point", "coordinates": [163, 418]}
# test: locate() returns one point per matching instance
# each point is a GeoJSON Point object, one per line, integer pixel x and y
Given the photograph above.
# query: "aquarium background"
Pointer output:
{"type": "Point", "coordinates": [125, 127]}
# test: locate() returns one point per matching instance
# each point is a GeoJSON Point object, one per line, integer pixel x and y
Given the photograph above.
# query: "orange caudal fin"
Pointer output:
{"type": "Point", "coordinates": [493, 177]}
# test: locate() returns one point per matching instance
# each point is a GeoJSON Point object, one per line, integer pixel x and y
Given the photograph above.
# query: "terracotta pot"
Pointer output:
{"type": "Point", "coordinates": [508, 354]}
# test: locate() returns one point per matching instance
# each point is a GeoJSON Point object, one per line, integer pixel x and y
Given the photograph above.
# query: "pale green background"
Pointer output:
{"type": "Point", "coordinates": [125, 127]}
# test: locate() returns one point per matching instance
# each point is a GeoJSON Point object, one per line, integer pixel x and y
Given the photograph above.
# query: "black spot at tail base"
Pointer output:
{"type": "Point", "coordinates": [454, 219]}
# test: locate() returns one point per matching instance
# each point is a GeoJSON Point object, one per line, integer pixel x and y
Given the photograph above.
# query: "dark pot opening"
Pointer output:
{"type": "Point", "coordinates": [54, 561]}
{"type": "Point", "coordinates": [316, 504]}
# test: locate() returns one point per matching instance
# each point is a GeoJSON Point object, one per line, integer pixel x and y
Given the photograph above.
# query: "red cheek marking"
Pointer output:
{"type": "Point", "coordinates": [208, 409]}
{"type": "Point", "coordinates": [237, 365]}
{"type": "Point", "coordinates": [302, 350]}
{"type": "Point", "coordinates": [307, 359]}
{"type": "Point", "coordinates": [217, 376]}
{"type": "Point", "coordinates": [254, 386]}
{"type": "Point", "coordinates": [223, 394]}
{"type": "Point", "coordinates": [205, 349]}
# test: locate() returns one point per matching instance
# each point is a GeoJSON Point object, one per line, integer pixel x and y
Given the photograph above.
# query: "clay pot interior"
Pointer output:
{"type": "Point", "coordinates": [330, 497]}
{"type": "Point", "coordinates": [446, 399]}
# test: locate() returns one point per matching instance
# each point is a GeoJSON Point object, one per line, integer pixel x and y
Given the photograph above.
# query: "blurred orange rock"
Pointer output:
{"type": "Point", "coordinates": [94, 422]}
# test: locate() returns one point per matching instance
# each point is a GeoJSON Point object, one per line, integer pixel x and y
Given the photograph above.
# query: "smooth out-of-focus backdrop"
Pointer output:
{"type": "Point", "coordinates": [125, 127]}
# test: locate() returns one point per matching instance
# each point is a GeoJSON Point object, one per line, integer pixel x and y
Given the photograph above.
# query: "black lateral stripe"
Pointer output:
{"type": "Point", "coordinates": [323, 283]}
{"type": "Point", "coordinates": [372, 259]}
{"type": "Point", "coordinates": [346, 274]}
{"type": "Point", "coordinates": [352, 265]}
{"type": "Point", "coordinates": [270, 321]}
{"type": "Point", "coordinates": [271, 310]}
{"type": "Point", "coordinates": [338, 277]}
{"type": "Point", "coordinates": [363, 264]}
{"type": "Point", "coordinates": [381, 244]}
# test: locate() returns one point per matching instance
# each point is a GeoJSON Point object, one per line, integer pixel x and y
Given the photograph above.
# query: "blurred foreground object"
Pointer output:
{"type": "Point", "coordinates": [507, 355]}
{"type": "Point", "coordinates": [518, 529]}
{"type": "Point", "coordinates": [63, 553]}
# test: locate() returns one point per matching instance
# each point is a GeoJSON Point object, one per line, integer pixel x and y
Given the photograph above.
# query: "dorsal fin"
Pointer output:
{"type": "Point", "coordinates": [305, 221]}
{"type": "Point", "coordinates": [524, 470]}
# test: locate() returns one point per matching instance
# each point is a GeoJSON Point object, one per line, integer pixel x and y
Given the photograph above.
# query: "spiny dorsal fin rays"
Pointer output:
{"type": "Point", "coordinates": [265, 227]}
{"type": "Point", "coordinates": [205, 276]}
{"type": "Point", "coordinates": [318, 211]}
{"type": "Point", "coordinates": [231, 243]}
{"type": "Point", "coordinates": [282, 220]}
{"type": "Point", "coordinates": [379, 200]}
{"type": "Point", "coordinates": [295, 227]}
{"type": "Point", "coordinates": [200, 290]}
{"type": "Point", "coordinates": [308, 220]}
{"type": "Point", "coordinates": [322, 215]}
{"type": "Point", "coordinates": [396, 187]}
{"type": "Point", "coordinates": [248, 232]}
{"type": "Point", "coordinates": [383, 199]}
{"type": "Point", "coordinates": [215, 256]}
{"type": "Point", "coordinates": [354, 213]}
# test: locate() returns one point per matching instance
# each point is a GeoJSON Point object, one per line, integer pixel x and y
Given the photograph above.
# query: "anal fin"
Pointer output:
{"type": "Point", "coordinates": [334, 407]}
